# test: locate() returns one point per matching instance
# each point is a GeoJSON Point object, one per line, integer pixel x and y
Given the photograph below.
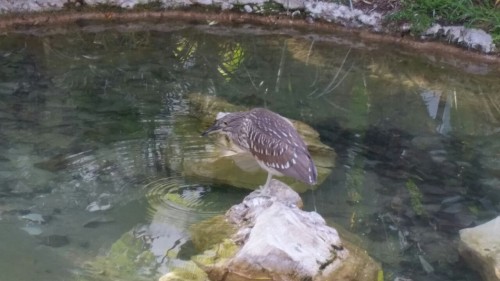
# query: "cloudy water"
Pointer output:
{"type": "Point", "coordinates": [98, 136]}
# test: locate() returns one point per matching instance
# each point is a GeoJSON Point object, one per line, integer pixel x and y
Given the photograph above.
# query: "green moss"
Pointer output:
{"type": "Point", "coordinates": [217, 254]}
{"type": "Point", "coordinates": [354, 182]}
{"type": "Point", "coordinates": [123, 261]}
{"type": "Point", "coordinates": [188, 271]}
{"type": "Point", "coordinates": [359, 106]}
{"type": "Point", "coordinates": [210, 232]}
{"type": "Point", "coordinates": [415, 198]}
{"type": "Point", "coordinates": [153, 5]}
{"type": "Point", "coordinates": [380, 275]}
{"type": "Point", "coordinates": [271, 7]}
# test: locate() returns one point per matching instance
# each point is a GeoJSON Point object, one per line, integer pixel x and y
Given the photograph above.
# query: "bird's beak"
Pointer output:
{"type": "Point", "coordinates": [215, 128]}
{"type": "Point", "coordinates": [211, 130]}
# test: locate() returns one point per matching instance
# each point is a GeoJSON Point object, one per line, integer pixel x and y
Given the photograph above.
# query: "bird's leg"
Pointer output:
{"type": "Point", "coordinates": [268, 181]}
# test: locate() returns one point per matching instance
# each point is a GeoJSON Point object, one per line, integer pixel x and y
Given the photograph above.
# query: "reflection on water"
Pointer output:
{"type": "Point", "coordinates": [95, 126]}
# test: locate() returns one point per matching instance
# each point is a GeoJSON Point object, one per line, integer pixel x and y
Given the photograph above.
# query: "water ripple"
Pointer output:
{"type": "Point", "coordinates": [178, 200]}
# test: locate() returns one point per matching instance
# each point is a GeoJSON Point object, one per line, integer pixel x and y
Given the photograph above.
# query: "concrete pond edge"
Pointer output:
{"type": "Point", "coordinates": [315, 16]}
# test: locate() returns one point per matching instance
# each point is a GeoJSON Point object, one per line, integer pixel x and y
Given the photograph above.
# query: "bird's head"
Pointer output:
{"type": "Point", "coordinates": [226, 123]}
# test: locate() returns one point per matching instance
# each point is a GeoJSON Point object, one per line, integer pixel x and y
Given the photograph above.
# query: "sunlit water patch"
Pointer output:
{"type": "Point", "coordinates": [97, 136]}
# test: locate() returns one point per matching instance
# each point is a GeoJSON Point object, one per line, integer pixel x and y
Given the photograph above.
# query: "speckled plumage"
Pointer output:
{"type": "Point", "coordinates": [272, 140]}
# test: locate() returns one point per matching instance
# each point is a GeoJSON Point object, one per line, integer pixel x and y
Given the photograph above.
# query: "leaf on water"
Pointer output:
{"type": "Point", "coordinates": [380, 275]}
{"type": "Point", "coordinates": [94, 223]}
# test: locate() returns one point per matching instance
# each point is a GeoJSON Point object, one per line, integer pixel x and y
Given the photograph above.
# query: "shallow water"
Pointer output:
{"type": "Point", "coordinates": [93, 120]}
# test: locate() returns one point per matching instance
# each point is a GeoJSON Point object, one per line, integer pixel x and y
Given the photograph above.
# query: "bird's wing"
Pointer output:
{"type": "Point", "coordinates": [287, 155]}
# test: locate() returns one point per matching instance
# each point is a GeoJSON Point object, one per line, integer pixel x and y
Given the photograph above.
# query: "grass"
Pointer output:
{"type": "Point", "coordinates": [421, 14]}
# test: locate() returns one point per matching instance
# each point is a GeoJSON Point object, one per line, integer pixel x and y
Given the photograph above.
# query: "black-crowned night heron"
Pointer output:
{"type": "Point", "coordinates": [271, 139]}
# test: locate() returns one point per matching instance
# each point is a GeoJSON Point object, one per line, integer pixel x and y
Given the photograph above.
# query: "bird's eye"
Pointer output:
{"type": "Point", "coordinates": [225, 123]}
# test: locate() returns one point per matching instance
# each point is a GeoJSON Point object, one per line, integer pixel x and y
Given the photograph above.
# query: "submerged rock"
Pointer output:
{"type": "Point", "coordinates": [480, 247]}
{"type": "Point", "coordinates": [129, 258]}
{"type": "Point", "coordinates": [275, 240]}
{"type": "Point", "coordinates": [33, 217]}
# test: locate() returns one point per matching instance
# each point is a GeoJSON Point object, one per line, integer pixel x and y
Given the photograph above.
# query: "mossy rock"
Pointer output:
{"type": "Point", "coordinates": [209, 232]}
{"type": "Point", "coordinates": [124, 261]}
{"type": "Point", "coordinates": [188, 271]}
{"type": "Point", "coordinates": [193, 270]}
{"type": "Point", "coordinates": [210, 237]}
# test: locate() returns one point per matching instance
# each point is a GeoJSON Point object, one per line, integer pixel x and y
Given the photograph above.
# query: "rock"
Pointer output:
{"type": "Point", "coordinates": [277, 247]}
{"type": "Point", "coordinates": [211, 231]}
{"type": "Point", "coordinates": [226, 6]}
{"type": "Point", "coordinates": [343, 14]}
{"type": "Point", "coordinates": [275, 240]}
{"type": "Point", "coordinates": [292, 4]}
{"type": "Point", "coordinates": [480, 247]}
{"type": "Point", "coordinates": [471, 38]}
{"type": "Point", "coordinates": [248, 8]}
{"type": "Point", "coordinates": [129, 258]}
{"type": "Point", "coordinates": [219, 163]}
{"type": "Point", "coordinates": [12, 6]}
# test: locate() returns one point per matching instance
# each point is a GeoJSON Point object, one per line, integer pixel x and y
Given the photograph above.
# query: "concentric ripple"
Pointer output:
{"type": "Point", "coordinates": [178, 200]}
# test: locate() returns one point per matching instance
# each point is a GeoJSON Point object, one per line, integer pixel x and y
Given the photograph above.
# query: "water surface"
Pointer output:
{"type": "Point", "coordinates": [93, 119]}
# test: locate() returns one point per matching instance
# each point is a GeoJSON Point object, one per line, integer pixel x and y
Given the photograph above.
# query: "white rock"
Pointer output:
{"type": "Point", "coordinates": [343, 14]}
{"type": "Point", "coordinates": [292, 4]}
{"type": "Point", "coordinates": [479, 39]}
{"type": "Point", "coordinates": [472, 38]}
{"type": "Point", "coordinates": [244, 2]}
{"type": "Point", "coordinates": [282, 242]}
{"type": "Point", "coordinates": [29, 5]}
{"type": "Point", "coordinates": [226, 6]}
{"type": "Point", "coordinates": [480, 247]}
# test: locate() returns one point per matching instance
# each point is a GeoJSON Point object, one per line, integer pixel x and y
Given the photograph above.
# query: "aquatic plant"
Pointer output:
{"type": "Point", "coordinates": [415, 198]}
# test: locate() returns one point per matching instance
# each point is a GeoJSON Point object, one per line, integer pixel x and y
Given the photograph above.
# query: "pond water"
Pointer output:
{"type": "Point", "coordinates": [95, 121]}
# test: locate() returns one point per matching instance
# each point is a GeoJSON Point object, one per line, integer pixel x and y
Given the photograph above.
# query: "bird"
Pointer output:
{"type": "Point", "coordinates": [271, 139]}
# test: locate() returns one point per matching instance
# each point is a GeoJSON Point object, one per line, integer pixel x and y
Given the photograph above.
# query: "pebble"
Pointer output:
{"type": "Point", "coordinates": [247, 8]}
